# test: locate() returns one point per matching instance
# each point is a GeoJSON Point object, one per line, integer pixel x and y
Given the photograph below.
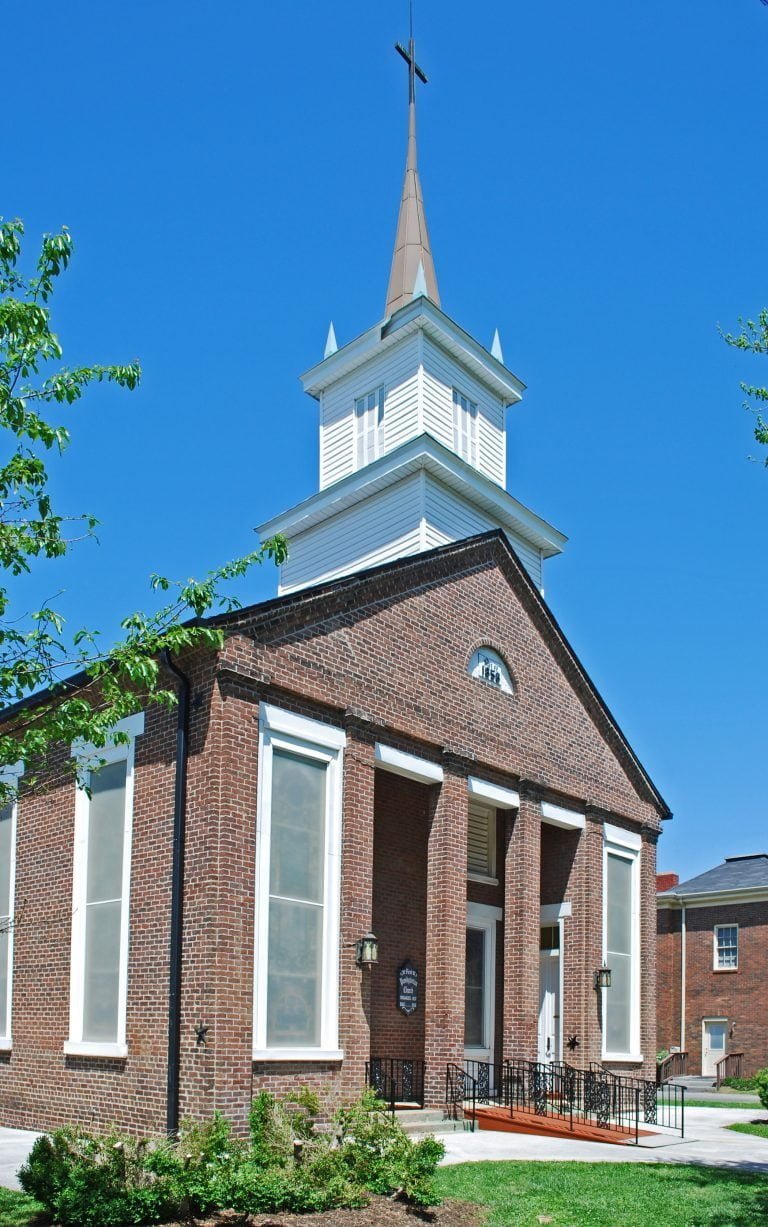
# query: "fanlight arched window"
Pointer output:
{"type": "Point", "coordinates": [487, 666]}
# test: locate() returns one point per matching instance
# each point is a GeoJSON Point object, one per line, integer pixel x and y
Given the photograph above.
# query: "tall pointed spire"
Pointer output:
{"type": "Point", "coordinates": [412, 249]}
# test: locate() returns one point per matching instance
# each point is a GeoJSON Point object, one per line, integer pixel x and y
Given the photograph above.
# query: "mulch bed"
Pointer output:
{"type": "Point", "coordinates": [380, 1212]}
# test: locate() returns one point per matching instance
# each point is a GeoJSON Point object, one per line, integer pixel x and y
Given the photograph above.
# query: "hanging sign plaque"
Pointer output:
{"type": "Point", "coordinates": [407, 988]}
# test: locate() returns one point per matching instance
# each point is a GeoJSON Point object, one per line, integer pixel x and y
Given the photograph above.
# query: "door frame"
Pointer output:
{"type": "Point", "coordinates": [484, 916]}
{"type": "Point", "coordinates": [555, 914]}
{"type": "Point", "coordinates": [714, 1019]}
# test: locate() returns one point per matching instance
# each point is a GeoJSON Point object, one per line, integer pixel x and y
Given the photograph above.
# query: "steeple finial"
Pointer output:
{"type": "Point", "coordinates": [412, 250]}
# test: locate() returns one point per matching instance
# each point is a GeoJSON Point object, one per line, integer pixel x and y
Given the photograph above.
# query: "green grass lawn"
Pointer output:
{"type": "Point", "coordinates": [18, 1210]}
{"type": "Point", "coordinates": [759, 1130]}
{"type": "Point", "coordinates": [609, 1194]}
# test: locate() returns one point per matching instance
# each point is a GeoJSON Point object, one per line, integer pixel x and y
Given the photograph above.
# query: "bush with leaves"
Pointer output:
{"type": "Point", "coordinates": [290, 1163]}
{"type": "Point", "coordinates": [761, 1086]}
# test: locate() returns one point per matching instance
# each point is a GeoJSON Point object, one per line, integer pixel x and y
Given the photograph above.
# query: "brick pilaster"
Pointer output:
{"type": "Point", "coordinates": [521, 928]}
{"type": "Point", "coordinates": [446, 932]}
{"type": "Point", "coordinates": [356, 906]}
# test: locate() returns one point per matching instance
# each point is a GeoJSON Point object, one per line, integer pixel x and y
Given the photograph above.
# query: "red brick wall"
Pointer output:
{"type": "Point", "coordinates": [385, 657]}
{"type": "Point", "coordinates": [740, 996]}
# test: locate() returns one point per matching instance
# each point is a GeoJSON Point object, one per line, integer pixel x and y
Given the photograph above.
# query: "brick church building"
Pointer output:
{"type": "Point", "coordinates": [392, 819]}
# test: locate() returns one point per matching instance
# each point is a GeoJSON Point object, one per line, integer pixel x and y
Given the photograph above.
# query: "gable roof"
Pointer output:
{"type": "Point", "coordinates": [736, 873]}
{"type": "Point", "coordinates": [357, 589]}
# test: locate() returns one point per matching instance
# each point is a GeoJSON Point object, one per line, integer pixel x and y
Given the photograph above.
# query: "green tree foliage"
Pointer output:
{"type": "Point", "coordinates": [37, 655]}
{"type": "Point", "coordinates": [753, 337]}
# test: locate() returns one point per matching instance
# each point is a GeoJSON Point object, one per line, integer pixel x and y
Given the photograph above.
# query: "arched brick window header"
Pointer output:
{"type": "Point", "coordinates": [486, 664]}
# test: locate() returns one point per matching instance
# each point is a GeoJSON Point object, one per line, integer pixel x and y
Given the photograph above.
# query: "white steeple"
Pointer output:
{"type": "Point", "coordinates": [412, 428]}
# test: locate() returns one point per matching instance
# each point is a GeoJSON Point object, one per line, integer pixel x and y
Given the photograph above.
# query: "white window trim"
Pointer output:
{"type": "Point", "coordinates": [559, 816]}
{"type": "Point", "coordinates": [408, 765]}
{"type": "Point", "coordinates": [361, 433]}
{"type": "Point", "coordinates": [629, 851]}
{"type": "Point", "coordinates": [466, 424]}
{"type": "Point", "coordinates": [715, 965]}
{"type": "Point", "coordinates": [312, 739]}
{"type": "Point", "coordinates": [502, 798]}
{"type": "Point", "coordinates": [91, 758]}
{"type": "Point", "coordinates": [10, 775]}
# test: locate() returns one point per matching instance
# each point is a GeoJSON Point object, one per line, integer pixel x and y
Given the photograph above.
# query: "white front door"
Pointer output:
{"type": "Point", "coordinates": [479, 983]}
{"type": "Point", "coordinates": [712, 1045]}
{"type": "Point", "coordinates": [549, 994]}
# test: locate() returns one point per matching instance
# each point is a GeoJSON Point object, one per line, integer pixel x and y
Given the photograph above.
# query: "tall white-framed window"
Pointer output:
{"type": "Point", "coordinates": [369, 416]}
{"type": "Point", "coordinates": [465, 427]}
{"type": "Point", "coordinates": [8, 816]}
{"type": "Point", "coordinates": [101, 882]}
{"type": "Point", "coordinates": [298, 880]}
{"type": "Point", "coordinates": [726, 948]}
{"type": "Point", "coordinates": [621, 944]}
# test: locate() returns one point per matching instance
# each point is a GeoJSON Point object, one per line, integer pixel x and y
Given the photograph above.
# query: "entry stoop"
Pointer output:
{"type": "Point", "coordinates": [419, 1121]}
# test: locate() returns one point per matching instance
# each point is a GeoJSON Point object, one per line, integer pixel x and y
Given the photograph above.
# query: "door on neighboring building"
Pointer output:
{"type": "Point", "coordinates": [479, 984]}
{"type": "Point", "coordinates": [714, 1031]}
{"type": "Point", "coordinates": [549, 994]}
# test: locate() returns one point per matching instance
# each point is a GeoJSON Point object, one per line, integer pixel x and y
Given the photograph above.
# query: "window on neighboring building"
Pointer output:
{"type": "Point", "coordinates": [369, 415]}
{"type": "Point", "coordinates": [465, 427]}
{"type": "Point", "coordinates": [298, 881]}
{"type": "Point", "coordinates": [481, 842]}
{"type": "Point", "coordinates": [621, 1001]}
{"type": "Point", "coordinates": [7, 858]}
{"type": "Point", "coordinates": [100, 897]}
{"type": "Point", "coordinates": [726, 947]}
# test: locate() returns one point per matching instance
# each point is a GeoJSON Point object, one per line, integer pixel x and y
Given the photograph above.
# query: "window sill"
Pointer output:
{"type": "Point", "coordinates": [5, 1044]}
{"type": "Point", "coordinates": [482, 877]}
{"type": "Point", "coordinates": [298, 1054]}
{"type": "Point", "coordinates": [631, 1057]}
{"type": "Point", "coordinates": [94, 1048]}
{"type": "Point", "coordinates": [728, 971]}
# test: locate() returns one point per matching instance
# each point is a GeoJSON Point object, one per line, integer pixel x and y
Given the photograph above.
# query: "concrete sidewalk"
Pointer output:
{"type": "Point", "coordinates": [15, 1145]}
{"type": "Point", "coordinates": [707, 1141]}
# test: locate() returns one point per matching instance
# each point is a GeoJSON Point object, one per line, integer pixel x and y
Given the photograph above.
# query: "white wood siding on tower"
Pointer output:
{"type": "Point", "coordinates": [384, 527]}
{"type": "Point", "coordinates": [397, 371]}
{"type": "Point", "coordinates": [448, 517]}
{"type": "Point", "coordinates": [441, 375]}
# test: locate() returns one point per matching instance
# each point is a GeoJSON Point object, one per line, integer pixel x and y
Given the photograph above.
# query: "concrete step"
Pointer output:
{"type": "Point", "coordinates": [418, 1121]}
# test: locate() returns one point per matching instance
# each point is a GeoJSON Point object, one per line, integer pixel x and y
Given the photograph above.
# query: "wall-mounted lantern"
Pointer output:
{"type": "Point", "coordinates": [602, 978]}
{"type": "Point", "coordinates": [367, 951]}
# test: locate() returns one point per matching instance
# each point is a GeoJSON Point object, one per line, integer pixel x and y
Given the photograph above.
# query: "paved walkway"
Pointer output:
{"type": "Point", "coordinates": [15, 1145]}
{"type": "Point", "coordinates": [707, 1141]}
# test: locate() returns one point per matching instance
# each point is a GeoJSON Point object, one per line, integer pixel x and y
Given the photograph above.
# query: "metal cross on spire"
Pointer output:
{"type": "Point", "coordinates": [413, 270]}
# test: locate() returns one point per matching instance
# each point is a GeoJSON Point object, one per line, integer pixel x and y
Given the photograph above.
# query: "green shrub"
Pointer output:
{"type": "Point", "coordinates": [290, 1164]}
{"type": "Point", "coordinates": [742, 1084]}
{"type": "Point", "coordinates": [761, 1086]}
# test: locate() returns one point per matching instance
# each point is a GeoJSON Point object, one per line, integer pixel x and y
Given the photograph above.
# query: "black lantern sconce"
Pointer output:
{"type": "Point", "coordinates": [367, 951]}
{"type": "Point", "coordinates": [602, 978]}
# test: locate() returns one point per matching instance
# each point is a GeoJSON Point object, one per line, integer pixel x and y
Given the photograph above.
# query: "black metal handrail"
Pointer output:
{"type": "Point", "coordinates": [662, 1105]}
{"type": "Point", "coordinates": [396, 1080]}
{"type": "Point", "coordinates": [460, 1094]}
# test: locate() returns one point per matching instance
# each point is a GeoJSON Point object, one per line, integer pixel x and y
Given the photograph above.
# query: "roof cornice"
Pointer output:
{"type": "Point", "coordinates": [420, 314]}
{"type": "Point", "coordinates": [712, 898]}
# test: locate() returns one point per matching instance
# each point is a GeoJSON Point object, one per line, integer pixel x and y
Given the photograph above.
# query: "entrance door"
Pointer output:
{"type": "Point", "coordinates": [549, 994]}
{"type": "Point", "coordinates": [712, 1045]}
{"type": "Point", "coordinates": [479, 983]}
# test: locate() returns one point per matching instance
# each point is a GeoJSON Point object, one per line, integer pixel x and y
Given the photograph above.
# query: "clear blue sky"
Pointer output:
{"type": "Point", "coordinates": [595, 181]}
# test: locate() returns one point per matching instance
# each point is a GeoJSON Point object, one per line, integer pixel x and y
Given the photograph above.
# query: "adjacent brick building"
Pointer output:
{"type": "Point", "coordinates": [713, 964]}
{"type": "Point", "coordinates": [401, 751]}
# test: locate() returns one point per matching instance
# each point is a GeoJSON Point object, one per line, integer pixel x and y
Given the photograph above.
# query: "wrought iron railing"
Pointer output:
{"type": "Point", "coordinates": [731, 1066]}
{"type": "Point", "coordinates": [461, 1094]}
{"type": "Point", "coordinates": [673, 1066]}
{"type": "Point", "coordinates": [396, 1080]}
{"type": "Point", "coordinates": [593, 1096]}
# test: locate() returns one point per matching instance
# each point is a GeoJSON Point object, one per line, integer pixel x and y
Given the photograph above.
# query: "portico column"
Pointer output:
{"type": "Point", "coordinates": [356, 905]}
{"type": "Point", "coordinates": [522, 903]}
{"type": "Point", "coordinates": [446, 931]}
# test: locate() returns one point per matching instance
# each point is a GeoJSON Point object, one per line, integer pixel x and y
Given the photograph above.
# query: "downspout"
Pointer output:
{"type": "Point", "coordinates": [177, 896]}
{"type": "Point", "coordinates": [682, 979]}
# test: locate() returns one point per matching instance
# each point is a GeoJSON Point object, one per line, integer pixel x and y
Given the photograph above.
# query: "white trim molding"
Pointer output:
{"type": "Point", "coordinates": [484, 917]}
{"type": "Point", "coordinates": [624, 845]}
{"type": "Point", "coordinates": [10, 775]}
{"type": "Point", "coordinates": [502, 798]}
{"type": "Point", "coordinates": [559, 816]}
{"type": "Point", "coordinates": [550, 913]}
{"type": "Point", "coordinates": [408, 765]}
{"type": "Point", "coordinates": [313, 741]}
{"type": "Point", "coordinates": [92, 758]}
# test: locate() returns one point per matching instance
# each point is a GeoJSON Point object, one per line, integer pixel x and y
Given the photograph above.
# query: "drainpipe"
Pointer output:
{"type": "Point", "coordinates": [682, 979]}
{"type": "Point", "coordinates": [177, 896]}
